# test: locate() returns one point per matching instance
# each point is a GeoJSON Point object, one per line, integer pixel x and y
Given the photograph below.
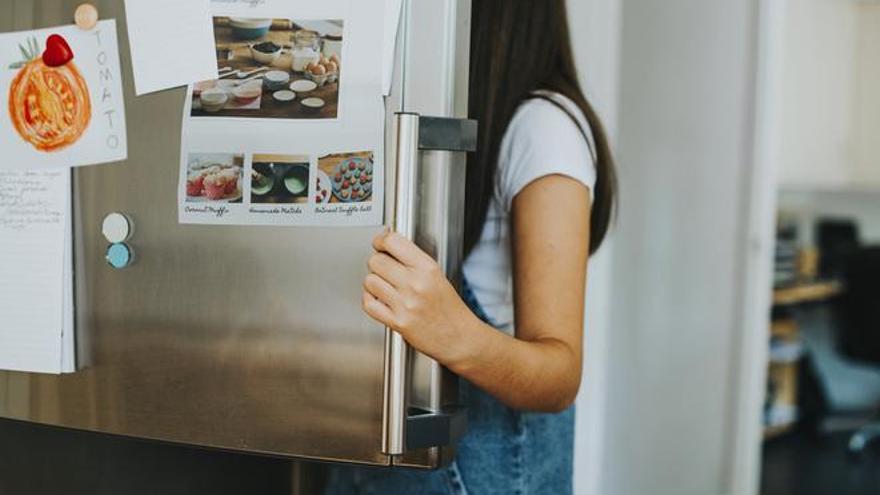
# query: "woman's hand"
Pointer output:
{"type": "Point", "coordinates": [540, 368]}
{"type": "Point", "coordinates": [407, 291]}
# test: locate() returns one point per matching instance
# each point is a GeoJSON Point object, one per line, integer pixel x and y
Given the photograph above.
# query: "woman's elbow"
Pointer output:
{"type": "Point", "coordinates": [561, 398]}
{"type": "Point", "coordinates": [564, 402]}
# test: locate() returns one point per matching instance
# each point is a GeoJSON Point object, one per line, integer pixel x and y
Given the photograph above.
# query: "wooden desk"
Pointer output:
{"type": "Point", "coordinates": [807, 292]}
{"type": "Point", "coordinates": [782, 377]}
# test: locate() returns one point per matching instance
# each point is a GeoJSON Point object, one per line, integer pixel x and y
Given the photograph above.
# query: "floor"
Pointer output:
{"type": "Point", "coordinates": [802, 465]}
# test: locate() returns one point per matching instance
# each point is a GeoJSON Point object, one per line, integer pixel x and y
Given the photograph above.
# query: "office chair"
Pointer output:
{"type": "Point", "coordinates": [858, 312]}
{"type": "Point", "coordinates": [836, 239]}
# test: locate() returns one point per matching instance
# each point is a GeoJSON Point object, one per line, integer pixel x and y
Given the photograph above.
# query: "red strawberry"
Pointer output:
{"type": "Point", "coordinates": [57, 52]}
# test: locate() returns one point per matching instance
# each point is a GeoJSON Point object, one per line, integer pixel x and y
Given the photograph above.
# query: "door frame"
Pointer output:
{"type": "Point", "coordinates": [759, 213]}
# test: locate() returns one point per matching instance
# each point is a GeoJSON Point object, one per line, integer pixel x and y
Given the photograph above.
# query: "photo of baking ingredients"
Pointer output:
{"type": "Point", "coordinates": [214, 178]}
{"type": "Point", "coordinates": [273, 68]}
{"type": "Point", "coordinates": [280, 179]}
{"type": "Point", "coordinates": [345, 178]}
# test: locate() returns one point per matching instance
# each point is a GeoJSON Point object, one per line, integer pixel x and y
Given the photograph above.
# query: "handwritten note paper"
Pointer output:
{"type": "Point", "coordinates": [172, 43]}
{"type": "Point", "coordinates": [35, 276]}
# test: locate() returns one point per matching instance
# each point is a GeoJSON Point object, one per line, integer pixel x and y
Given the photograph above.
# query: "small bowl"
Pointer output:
{"type": "Point", "coordinates": [276, 79]}
{"type": "Point", "coordinates": [213, 100]}
{"type": "Point", "coordinates": [297, 175]}
{"type": "Point", "coordinates": [303, 86]}
{"type": "Point", "coordinates": [265, 58]}
{"type": "Point", "coordinates": [247, 93]}
{"type": "Point", "coordinates": [284, 96]}
{"type": "Point", "coordinates": [262, 191]}
{"type": "Point", "coordinates": [203, 86]}
{"type": "Point", "coordinates": [313, 103]}
{"type": "Point", "coordinates": [249, 29]}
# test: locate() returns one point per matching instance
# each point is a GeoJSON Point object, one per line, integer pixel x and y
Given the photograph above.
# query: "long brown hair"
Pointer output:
{"type": "Point", "coordinates": [519, 47]}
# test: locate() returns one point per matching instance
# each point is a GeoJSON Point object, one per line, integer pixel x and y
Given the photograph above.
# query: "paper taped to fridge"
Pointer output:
{"type": "Point", "coordinates": [63, 91]}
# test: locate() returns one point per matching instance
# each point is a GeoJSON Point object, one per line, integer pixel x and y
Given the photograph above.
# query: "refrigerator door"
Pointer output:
{"type": "Point", "coordinates": [240, 338]}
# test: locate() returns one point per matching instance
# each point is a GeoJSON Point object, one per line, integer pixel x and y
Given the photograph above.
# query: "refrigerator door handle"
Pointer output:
{"type": "Point", "coordinates": [406, 158]}
{"type": "Point", "coordinates": [414, 133]}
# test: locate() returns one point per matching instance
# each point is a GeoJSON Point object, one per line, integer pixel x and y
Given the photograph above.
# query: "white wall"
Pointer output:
{"type": "Point", "coordinates": [818, 145]}
{"type": "Point", "coordinates": [688, 70]}
{"type": "Point", "coordinates": [596, 38]}
{"type": "Point", "coordinates": [831, 107]}
{"type": "Point", "coordinates": [867, 112]}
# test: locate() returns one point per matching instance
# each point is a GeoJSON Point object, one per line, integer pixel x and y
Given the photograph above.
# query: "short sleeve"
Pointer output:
{"type": "Point", "coordinates": [543, 140]}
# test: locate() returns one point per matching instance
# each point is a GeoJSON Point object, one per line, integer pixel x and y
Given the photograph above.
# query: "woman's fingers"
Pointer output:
{"type": "Point", "coordinates": [402, 249]}
{"type": "Point", "coordinates": [381, 290]}
{"type": "Point", "coordinates": [388, 269]}
{"type": "Point", "coordinates": [378, 311]}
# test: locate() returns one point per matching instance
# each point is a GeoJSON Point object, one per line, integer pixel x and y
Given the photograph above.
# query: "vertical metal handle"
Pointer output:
{"type": "Point", "coordinates": [395, 411]}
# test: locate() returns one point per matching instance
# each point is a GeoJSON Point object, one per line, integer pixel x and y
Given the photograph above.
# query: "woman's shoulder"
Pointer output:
{"type": "Point", "coordinates": [550, 119]}
{"type": "Point", "coordinates": [548, 135]}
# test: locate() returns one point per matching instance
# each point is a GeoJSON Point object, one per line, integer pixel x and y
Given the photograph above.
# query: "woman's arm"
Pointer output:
{"type": "Point", "coordinates": [540, 369]}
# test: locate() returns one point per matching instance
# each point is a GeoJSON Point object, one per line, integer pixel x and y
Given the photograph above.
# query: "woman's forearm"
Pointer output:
{"type": "Point", "coordinates": [527, 375]}
{"type": "Point", "coordinates": [407, 291]}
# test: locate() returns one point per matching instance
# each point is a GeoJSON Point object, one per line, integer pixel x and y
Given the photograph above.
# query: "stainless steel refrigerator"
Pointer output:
{"type": "Point", "coordinates": [253, 339]}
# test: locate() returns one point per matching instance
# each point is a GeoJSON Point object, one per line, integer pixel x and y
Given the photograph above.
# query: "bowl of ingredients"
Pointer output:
{"type": "Point", "coordinates": [261, 184]}
{"type": "Point", "coordinates": [276, 79]}
{"type": "Point", "coordinates": [248, 93]}
{"type": "Point", "coordinates": [213, 100]}
{"type": "Point", "coordinates": [296, 180]}
{"type": "Point", "coordinates": [266, 52]}
{"type": "Point", "coordinates": [249, 29]}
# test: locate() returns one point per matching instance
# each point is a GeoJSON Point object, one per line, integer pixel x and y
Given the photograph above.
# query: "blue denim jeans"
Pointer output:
{"type": "Point", "coordinates": [505, 452]}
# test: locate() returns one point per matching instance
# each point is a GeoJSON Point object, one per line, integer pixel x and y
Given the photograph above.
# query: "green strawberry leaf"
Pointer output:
{"type": "Point", "coordinates": [36, 50]}
{"type": "Point", "coordinates": [29, 51]}
{"type": "Point", "coordinates": [24, 52]}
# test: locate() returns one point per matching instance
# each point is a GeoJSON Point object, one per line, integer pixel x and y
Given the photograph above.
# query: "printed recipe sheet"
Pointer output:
{"type": "Point", "coordinates": [292, 131]}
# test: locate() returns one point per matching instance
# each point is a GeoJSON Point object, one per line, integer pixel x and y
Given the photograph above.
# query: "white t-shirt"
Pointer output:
{"type": "Point", "coordinates": [541, 140]}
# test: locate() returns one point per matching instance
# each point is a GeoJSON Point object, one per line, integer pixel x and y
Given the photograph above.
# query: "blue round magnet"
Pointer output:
{"type": "Point", "coordinates": [119, 256]}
